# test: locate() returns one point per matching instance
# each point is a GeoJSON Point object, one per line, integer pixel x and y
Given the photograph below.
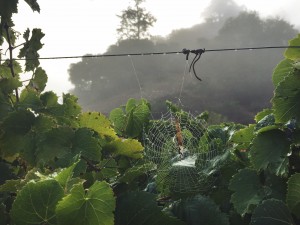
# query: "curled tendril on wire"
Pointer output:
{"type": "Point", "coordinates": [198, 53]}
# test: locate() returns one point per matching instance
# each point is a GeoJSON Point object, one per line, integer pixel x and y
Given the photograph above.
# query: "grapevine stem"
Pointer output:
{"type": "Point", "coordinates": [11, 65]}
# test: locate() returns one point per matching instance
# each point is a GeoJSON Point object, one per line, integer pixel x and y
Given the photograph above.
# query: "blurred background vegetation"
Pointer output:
{"type": "Point", "coordinates": [235, 84]}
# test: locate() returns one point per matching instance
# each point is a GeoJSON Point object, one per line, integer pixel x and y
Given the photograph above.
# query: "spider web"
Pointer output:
{"type": "Point", "coordinates": [180, 169]}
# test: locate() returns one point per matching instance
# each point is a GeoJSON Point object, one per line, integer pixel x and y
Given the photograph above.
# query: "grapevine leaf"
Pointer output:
{"type": "Point", "coordinates": [130, 105]}
{"type": "Point", "coordinates": [31, 48]}
{"type": "Point", "coordinates": [136, 120]}
{"type": "Point", "coordinates": [97, 122]}
{"type": "Point", "coordinates": [11, 145]}
{"type": "Point", "coordinates": [33, 5]}
{"type": "Point", "coordinates": [7, 85]}
{"type": "Point", "coordinates": [144, 211]}
{"type": "Point", "coordinates": [128, 147]}
{"type": "Point", "coordinates": [39, 80]}
{"type": "Point", "coordinates": [108, 169]}
{"type": "Point", "coordinates": [273, 212]}
{"type": "Point", "coordinates": [86, 145]}
{"type": "Point", "coordinates": [7, 8]}
{"type": "Point", "coordinates": [29, 99]}
{"type": "Point", "coordinates": [94, 206]}
{"type": "Point", "coordinates": [64, 176]}
{"type": "Point", "coordinates": [6, 106]}
{"type": "Point", "coordinates": [293, 53]}
{"type": "Point", "coordinates": [43, 123]}
{"type": "Point", "coordinates": [293, 194]}
{"type": "Point", "coordinates": [243, 137]}
{"type": "Point", "coordinates": [248, 192]}
{"type": "Point", "coordinates": [49, 99]}
{"type": "Point", "coordinates": [36, 202]}
{"type": "Point", "coordinates": [70, 105]}
{"type": "Point", "coordinates": [3, 215]}
{"type": "Point", "coordinates": [118, 119]}
{"type": "Point", "coordinates": [270, 150]}
{"type": "Point", "coordinates": [133, 173]}
{"type": "Point", "coordinates": [10, 186]}
{"type": "Point", "coordinates": [286, 103]}
{"type": "Point", "coordinates": [199, 210]}
{"type": "Point", "coordinates": [55, 143]}
{"type": "Point", "coordinates": [5, 70]}
{"type": "Point", "coordinates": [281, 71]}
{"type": "Point", "coordinates": [18, 122]}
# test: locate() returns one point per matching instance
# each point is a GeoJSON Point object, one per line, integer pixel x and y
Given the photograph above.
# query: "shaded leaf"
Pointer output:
{"type": "Point", "coordinates": [140, 208]}
{"type": "Point", "coordinates": [248, 191]}
{"type": "Point", "coordinates": [64, 176]}
{"type": "Point", "coordinates": [199, 210]}
{"type": "Point", "coordinates": [29, 99]}
{"type": "Point", "coordinates": [293, 194]}
{"type": "Point", "coordinates": [270, 151]}
{"type": "Point", "coordinates": [93, 206]}
{"type": "Point", "coordinates": [36, 202]}
{"type": "Point", "coordinates": [133, 173]}
{"type": "Point", "coordinates": [243, 137]}
{"type": "Point", "coordinates": [33, 5]}
{"type": "Point", "coordinates": [31, 48]}
{"type": "Point", "coordinates": [273, 212]}
{"type": "Point", "coordinates": [86, 145]}
{"type": "Point", "coordinates": [8, 85]}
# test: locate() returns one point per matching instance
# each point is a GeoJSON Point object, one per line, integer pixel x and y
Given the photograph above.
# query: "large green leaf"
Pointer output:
{"type": "Point", "coordinates": [134, 172]}
{"type": "Point", "coordinates": [7, 85]}
{"type": "Point", "coordinates": [39, 79]}
{"type": "Point", "coordinates": [270, 151]}
{"type": "Point", "coordinates": [243, 137]}
{"type": "Point", "coordinates": [281, 71]}
{"type": "Point", "coordinates": [293, 53]}
{"type": "Point", "coordinates": [29, 99]}
{"type": "Point", "coordinates": [286, 104]}
{"type": "Point", "coordinates": [118, 119]}
{"type": "Point", "coordinates": [140, 208]}
{"type": "Point", "coordinates": [293, 194]}
{"type": "Point", "coordinates": [93, 206]}
{"type": "Point", "coordinates": [86, 145]}
{"type": "Point", "coordinates": [64, 176]}
{"type": "Point", "coordinates": [248, 191]}
{"type": "Point", "coordinates": [97, 122]}
{"type": "Point", "coordinates": [36, 202]}
{"type": "Point", "coordinates": [273, 212]}
{"type": "Point", "coordinates": [55, 143]}
{"type": "Point", "coordinates": [199, 210]}
{"type": "Point", "coordinates": [128, 147]}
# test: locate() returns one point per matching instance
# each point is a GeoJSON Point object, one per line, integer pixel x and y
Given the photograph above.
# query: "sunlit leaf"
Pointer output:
{"type": "Point", "coordinates": [64, 176]}
{"type": "Point", "coordinates": [293, 194]}
{"type": "Point", "coordinates": [127, 147]}
{"type": "Point", "coordinates": [248, 191]}
{"type": "Point", "coordinates": [39, 80]}
{"type": "Point", "coordinates": [286, 103]}
{"type": "Point", "coordinates": [36, 202]}
{"type": "Point", "coordinates": [97, 122]}
{"type": "Point", "coordinates": [273, 212]}
{"type": "Point", "coordinates": [281, 71]}
{"type": "Point", "coordinates": [94, 206]}
{"type": "Point", "coordinates": [293, 53]}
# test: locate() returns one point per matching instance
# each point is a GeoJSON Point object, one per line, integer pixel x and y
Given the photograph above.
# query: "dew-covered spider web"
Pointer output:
{"type": "Point", "coordinates": [183, 152]}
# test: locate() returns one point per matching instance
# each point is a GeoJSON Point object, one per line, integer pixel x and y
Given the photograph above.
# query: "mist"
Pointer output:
{"type": "Point", "coordinates": [236, 85]}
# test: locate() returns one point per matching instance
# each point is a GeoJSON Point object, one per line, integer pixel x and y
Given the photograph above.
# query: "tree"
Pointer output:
{"type": "Point", "coordinates": [135, 22]}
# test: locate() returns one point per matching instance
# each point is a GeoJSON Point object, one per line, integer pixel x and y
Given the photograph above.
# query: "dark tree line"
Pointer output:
{"type": "Point", "coordinates": [235, 84]}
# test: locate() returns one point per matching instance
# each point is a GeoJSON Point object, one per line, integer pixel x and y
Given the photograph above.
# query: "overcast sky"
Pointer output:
{"type": "Point", "coordinates": [77, 27]}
